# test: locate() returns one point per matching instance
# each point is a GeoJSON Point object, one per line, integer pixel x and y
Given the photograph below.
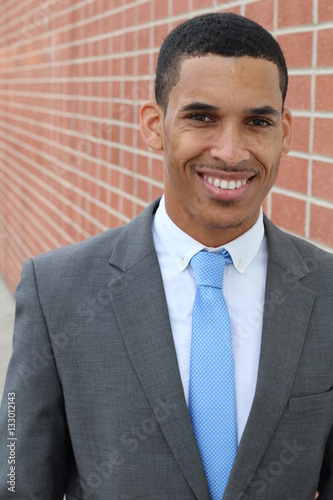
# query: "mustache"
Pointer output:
{"type": "Point", "coordinates": [223, 168]}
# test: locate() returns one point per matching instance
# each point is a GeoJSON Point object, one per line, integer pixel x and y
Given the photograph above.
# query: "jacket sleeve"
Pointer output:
{"type": "Point", "coordinates": [326, 476]}
{"type": "Point", "coordinates": [34, 444]}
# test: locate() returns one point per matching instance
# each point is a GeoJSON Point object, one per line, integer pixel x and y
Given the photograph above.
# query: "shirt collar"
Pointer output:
{"type": "Point", "coordinates": [181, 247]}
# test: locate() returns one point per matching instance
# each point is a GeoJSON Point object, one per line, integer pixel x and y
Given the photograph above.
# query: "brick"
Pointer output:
{"type": "Point", "coordinates": [131, 16]}
{"type": "Point", "coordinates": [180, 7]}
{"type": "Point", "coordinates": [324, 50]}
{"type": "Point", "coordinates": [117, 42]}
{"type": "Point", "coordinates": [156, 192]}
{"type": "Point", "coordinates": [160, 33]}
{"type": "Point", "coordinates": [143, 39]}
{"type": "Point", "coordinates": [143, 62]}
{"type": "Point", "coordinates": [323, 144]}
{"type": "Point", "coordinates": [129, 65]}
{"type": "Point", "coordinates": [261, 13]}
{"type": "Point", "coordinates": [201, 4]}
{"type": "Point", "coordinates": [322, 180]}
{"type": "Point", "coordinates": [130, 41]}
{"type": "Point", "coordinates": [227, 8]}
{"type": "Point", "coordinates": [144, 13]}
{"type": "Point", "coordinates": [142, 190]}
{"type": "Point", "coordinates": [293, 174]}
{"type": "Point", "coordinates": [294, 13]}
{"type": "Point", "coordinates": [321, 223]}
{"type": "Point", "coordinates": [127, 208]}
{"type": "Point", "coordinates": [161, 9]}
{"type": "Point", "coordinates": [299, 92]}
{"type": "Point", "coordinates": [222, 3]}
{"type": "Point", "coordinates": [143, 167]}
{"type": "Point", "coordinates": [325, 11]}
{"type": "Point", "coordinates": [158, 169]}
{"type": "Point", "coordinates": [297, 49]}
{"type": "Point", "coordinates": [324, 93]}
{"type": "Point", "coordinates": [301, 134]}
{"type": "Point", "coordinates": [288, 213]}
{"type": "Point", "coordinates": [116, 69]}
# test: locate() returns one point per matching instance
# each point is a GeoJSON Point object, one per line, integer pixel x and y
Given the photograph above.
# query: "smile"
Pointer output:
{"type": "Point", "coordinates": [224, 184]}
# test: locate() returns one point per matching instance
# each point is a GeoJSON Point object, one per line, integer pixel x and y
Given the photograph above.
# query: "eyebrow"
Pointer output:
{"type": "Point", "coordinates": [262, 110]}
{"type": "Point", "coordinates": [202, 106]}
{"type": "Point", "coordinates": [199, 106]}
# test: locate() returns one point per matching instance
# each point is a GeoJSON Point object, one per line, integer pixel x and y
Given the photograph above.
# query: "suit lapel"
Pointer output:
{"type": "Point", "coordinates": [287, 311]}
{"type": "Point", "coordinates": [140, 307]}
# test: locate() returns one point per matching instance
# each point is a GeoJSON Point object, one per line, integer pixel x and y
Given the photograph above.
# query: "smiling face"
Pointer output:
{"type": "Point", "coordinates": [222, 137]}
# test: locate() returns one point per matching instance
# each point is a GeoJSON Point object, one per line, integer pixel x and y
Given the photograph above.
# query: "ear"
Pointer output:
{"type": "Point", "coordinates": [287, 131]}
{"type": "Point", "coordinates": [151, 119]}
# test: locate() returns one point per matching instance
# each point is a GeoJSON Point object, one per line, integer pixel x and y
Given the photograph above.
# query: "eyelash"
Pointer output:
{"type": "Point", "coordinates": [264, 122]}
{"type": "Point", "coordinates": [258, 122]}
{"type": "Point", "coordinates": [195, 116]}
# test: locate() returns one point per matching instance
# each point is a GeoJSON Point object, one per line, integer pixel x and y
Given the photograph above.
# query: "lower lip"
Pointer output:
{"type": "Point", "coordinates": [226, 194]}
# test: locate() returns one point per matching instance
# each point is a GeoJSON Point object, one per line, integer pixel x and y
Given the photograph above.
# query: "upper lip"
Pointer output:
{"type": "Point", "coordinates": [228, 175]}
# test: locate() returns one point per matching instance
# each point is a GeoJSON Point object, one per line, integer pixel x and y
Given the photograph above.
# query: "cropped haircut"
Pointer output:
{"type": "Point", "coordinates": [223, 34]}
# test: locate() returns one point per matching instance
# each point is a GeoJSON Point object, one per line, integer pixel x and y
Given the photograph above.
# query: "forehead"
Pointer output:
{"type": "Point", "coordinates": [227, 79]}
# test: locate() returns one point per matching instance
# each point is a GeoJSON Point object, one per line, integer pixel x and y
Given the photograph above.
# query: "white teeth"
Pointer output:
{"type": "Point", "coordinates": [224, 184]}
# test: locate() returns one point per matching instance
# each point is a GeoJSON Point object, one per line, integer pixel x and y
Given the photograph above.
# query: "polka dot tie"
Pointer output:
{"type": "Point", "coordinates": [212, 405]}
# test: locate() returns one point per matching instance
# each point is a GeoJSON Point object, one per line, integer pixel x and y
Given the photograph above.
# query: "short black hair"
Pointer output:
{"type": "Point", "coordinates": [224, 34]}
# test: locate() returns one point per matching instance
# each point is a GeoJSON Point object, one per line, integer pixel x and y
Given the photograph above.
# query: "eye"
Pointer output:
{"type": "Point", "coordinates": [200, 117]}
{"type": "Point", "coordinates": [260, 122]}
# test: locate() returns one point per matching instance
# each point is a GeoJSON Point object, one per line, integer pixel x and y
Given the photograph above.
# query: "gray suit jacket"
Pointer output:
{"type": "Point", "coordinates": [100, 410]}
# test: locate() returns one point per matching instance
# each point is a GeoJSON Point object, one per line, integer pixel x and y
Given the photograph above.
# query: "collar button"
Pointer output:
{"type": "Point", "coordinates": [182, 262]}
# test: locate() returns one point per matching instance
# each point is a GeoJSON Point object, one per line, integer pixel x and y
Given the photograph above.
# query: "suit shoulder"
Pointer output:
{"type": "Point", "coordinates": [101, 245]}
{"type": "Point", "coordinates": [67, 270]}
{"type": "Point", "coordinates": [300, 258]}
{"type": "Point", "coordinates": [286, 244]}
{"type": "Point", "coordinates": [92, 256]}
{"type": "Point", "coordinates": [313, 252]}
{"type": "Point", "coordinates": [95, 247]}
{"type": "Point", "coordinates": [316, 264]}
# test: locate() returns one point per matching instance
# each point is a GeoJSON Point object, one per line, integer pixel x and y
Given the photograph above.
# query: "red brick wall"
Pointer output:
{"type": "Point", "coordinates": [73, 74]}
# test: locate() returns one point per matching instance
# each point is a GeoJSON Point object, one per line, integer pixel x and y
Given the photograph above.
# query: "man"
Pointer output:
{"type": "Point", "coordinates": [101, 385]}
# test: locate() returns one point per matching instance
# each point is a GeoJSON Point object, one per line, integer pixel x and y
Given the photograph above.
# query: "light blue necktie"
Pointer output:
{"type": "Point", "coordinates": [212, 405]}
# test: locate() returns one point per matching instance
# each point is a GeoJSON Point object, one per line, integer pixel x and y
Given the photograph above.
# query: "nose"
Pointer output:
{"type": "Point", "coordinates": [229, 145]}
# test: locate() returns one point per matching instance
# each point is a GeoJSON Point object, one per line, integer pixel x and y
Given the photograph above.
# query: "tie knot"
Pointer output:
{"type": "Point", "coordinates": [209, 267]}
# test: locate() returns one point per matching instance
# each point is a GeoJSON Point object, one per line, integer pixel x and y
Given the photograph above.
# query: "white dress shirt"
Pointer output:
{"type": "Point", "coordinates": [243, 288]}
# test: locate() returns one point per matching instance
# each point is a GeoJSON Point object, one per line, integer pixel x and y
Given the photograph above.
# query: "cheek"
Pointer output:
{"type": "Point", "coordinates": [188, 144]}
{"type": "Point", "coordinates": [272, 173]}
{"type": "Point", "coordinates": [268, 153]}
{"type": "Point", "coordinates": [175, 158]}
{"type": "Point", "coordinates": [172, 166]}
{"type": "Point", "coordinates": [267, 144]}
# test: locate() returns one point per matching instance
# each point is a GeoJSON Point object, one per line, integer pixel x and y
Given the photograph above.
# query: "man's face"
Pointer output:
{"type": "Point", "coordinates": [222, 137]}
